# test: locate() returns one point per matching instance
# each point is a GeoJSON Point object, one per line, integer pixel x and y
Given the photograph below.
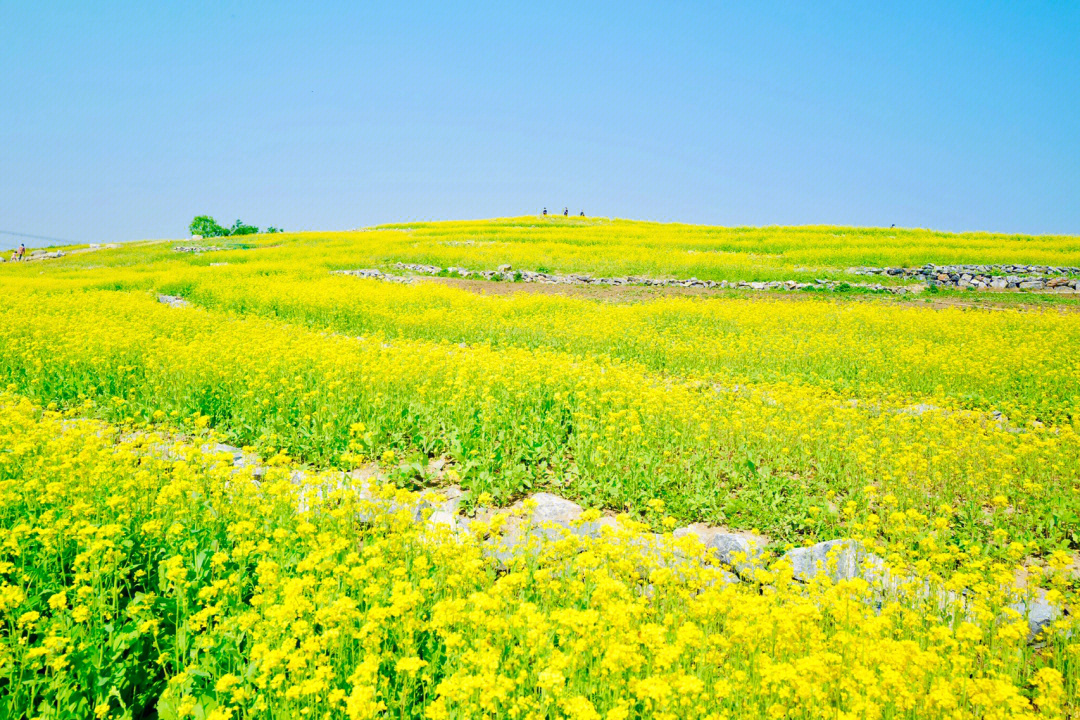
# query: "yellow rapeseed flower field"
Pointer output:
{"type": "Point", "coordinates": [140, 572]}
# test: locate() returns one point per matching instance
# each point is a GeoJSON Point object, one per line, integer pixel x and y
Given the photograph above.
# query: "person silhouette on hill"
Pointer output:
{"type": "Point", "coordinates": [565, 212]}
{"type": "Point", "coordinates": [545, 212]}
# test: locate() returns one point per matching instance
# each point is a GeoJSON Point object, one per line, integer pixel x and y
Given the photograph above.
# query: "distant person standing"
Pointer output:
{"type": "Point", "coordinates": [22, 251]}
{"type": "Point", "coordinates": [565, 212]}
{"type": "Point", "coordinates": [545, 212]}
{"type": "Point", "coordinates": [582, 213]}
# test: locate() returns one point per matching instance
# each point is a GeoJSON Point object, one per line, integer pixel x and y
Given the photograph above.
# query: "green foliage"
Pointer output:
{"type": "Point", "coordinates": [205, 226]}
{"type": "Point", "coordinates": [239, 228]}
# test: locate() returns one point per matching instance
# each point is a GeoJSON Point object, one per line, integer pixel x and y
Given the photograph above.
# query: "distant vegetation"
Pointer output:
{"type": "Point", "coordinates": [205, 226]}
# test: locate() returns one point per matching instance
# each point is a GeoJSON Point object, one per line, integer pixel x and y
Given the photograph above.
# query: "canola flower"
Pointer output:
{"type": "Point", "coordinates": [1011, 362]}
{"type": "Point", "coordinates": [142, 574]}
{"type": "Point", "coordinates": [620, 248]}
{"type": "Point", "coordinates": [513, 419]}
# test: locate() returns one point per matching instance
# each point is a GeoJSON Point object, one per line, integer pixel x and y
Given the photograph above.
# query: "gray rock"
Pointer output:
{"type": "Point", "coordinates": [1038, 613]}
{"type": "Point", "coordinates": [385, 508]}
{"type": "Point", "coordinates": [196, 248]}
{"type": "Point", "coordinates": [45, 255]}
{"type": "Point", "coordinates": [594, 528]}
{"type": "Point", "coordinates": [918, 409]}
{"type": "Point", "coordinates": [552, 508]}
{"type": "Point", "coordinates": [375, 274]}
{"type": "Point", "coordinates": [416, 267]}
{"type": "Point", "coordinates": [452, 499]}
{"type": "Point", "coordinates": [236, 455]}
{"type": "Point", "coordinates": [727, 544]}
{"type": "Point", "coordinates": [173, 301]}
{"type": "Point", "coordinates": [839, 559]}
{"type": "Point", "coordinates": [520, 542]}
{"type": "Point", "coordinates": [442, 517]}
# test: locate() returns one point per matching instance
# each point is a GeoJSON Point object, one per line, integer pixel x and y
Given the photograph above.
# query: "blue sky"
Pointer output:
{"type": "Point", "coordinates": [123, 122]}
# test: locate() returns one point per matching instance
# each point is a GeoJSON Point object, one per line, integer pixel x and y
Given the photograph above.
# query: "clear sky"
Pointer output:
{"type": "Point", "coordinates": [121, 121]}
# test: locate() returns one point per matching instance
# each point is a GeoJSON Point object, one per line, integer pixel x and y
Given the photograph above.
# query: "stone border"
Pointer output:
{"type": "Point", "coordinates": [529, 276]}
{"type": "Point", "coordinates": [531, 527]}
{"type": "Point", "coordinates": [505, 273]}
{"type": "Point", "coordinates": [374, 274]}
{"type": "Point", "coordinates": [998, 277]}
{"type": "Point", "coordinates": [546, 521]}
{"type": "Point", "coordinates": [196, 248]}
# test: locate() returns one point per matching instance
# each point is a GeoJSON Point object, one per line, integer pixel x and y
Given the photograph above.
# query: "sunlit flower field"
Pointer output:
{"type": "Point", "coordinates": [143, 572]}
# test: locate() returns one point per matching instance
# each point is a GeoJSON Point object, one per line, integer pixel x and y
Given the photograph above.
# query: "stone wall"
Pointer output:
{"type": "Point", "coordinates": [998, 277]}
{"type": "Point", "coordinates": [965, 277]}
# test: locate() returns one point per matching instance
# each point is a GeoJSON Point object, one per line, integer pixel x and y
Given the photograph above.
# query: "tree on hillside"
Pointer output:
{"type": "Point", "coordinates": [239, 228]}
{"type": "Point", "coordinates": [205, 226]}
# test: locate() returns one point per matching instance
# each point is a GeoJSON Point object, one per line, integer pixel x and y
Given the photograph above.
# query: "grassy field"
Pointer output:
{"type": "Point", "coordinates": [943, 435]}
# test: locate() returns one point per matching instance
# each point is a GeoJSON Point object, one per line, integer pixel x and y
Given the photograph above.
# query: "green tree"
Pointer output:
{"type": "Point", "coordinates": [205, 226]}
{"type": "Point", "coordinates": [239, 228]}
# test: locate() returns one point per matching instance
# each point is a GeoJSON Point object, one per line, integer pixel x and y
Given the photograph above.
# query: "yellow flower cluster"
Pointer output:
{"type": "Point", "coordinates": [142, 574]}
{"type": "Point", "coordinates": [620, 247]}
{"type": "Point", "coordinates": [607, 430]}
{"type": "Point", "coordinates": [1012, 362]}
